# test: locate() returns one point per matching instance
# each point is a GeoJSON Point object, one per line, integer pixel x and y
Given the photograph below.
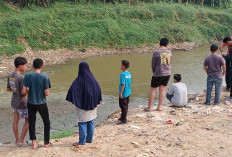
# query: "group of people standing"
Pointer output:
{"type": "Point", "coordinates": [30, 92]}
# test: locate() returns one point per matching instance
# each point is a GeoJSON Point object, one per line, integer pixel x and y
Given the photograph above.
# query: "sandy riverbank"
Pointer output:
{"type": "Point", "coordinates": [199, 131]}
{"type": "Point", "coordinates": [62, 56]}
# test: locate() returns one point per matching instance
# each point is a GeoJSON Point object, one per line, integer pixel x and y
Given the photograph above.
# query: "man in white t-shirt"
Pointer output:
{"type": "Point", "coordinates": [177, 93]}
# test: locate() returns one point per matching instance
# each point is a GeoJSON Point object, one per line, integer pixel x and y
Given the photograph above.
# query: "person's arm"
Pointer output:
{"type": "Point", "coordinates": [171, 90]}
{"type": "Point", "coordinates": [9, 89]}
{"type": "Point", "coordinates": [47, 92]}
{"type": "Point", "coordinates": [47, 87]}
{"type": "Point", "coordinates": [8, 85]}
{"type": "Point", "coordinates": [122, 84]}
{"type": "Point", "coordinates": [121, 91]}
{"type": "Point", "coordinates": [206, 69]}
{"type": "Point", "coordinates": [153, 63]}
{"type": "Point", "coordinates": [206, 65]}
{"type": "Point", "coordinates": [221, 47]}
{"type": "Point", "coordinates": [224, 69]}
{"type": "Point", "coordinates": [24, 91]}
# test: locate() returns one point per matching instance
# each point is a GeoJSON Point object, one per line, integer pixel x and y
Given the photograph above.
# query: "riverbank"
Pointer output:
{"type": "Point", "coordinates": [197, 131]}
{"type": "Point", "coordinates": [76, 26]}
{"type": "Point", "coordinates": [62, 56]}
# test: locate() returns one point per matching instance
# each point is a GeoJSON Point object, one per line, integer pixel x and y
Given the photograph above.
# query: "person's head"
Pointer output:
{"type": "Point", "coordinates": [164, 42]}
{"type": "Point", "coordinates": [177, 78]}
{"type": "Point", "coordinates": [214, 48]}
{"type": "Point", "coordinates": [125, 65]}
{"type": "Point", "coordinates": [20, 63]}
{"type": "Point", "coordinates": [38, 64]}
{"type": "Point", "coordinates": [83, 66]}
{"type": "Point", "coordinates": [226, 39]}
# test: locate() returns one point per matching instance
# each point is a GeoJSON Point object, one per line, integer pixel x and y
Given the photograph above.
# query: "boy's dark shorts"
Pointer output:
{"type": "Point", "coordinates": [158, 81]}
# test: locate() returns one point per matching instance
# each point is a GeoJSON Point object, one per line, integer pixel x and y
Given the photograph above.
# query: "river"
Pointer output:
{"type": "Point", "coordinates": [107, 71]}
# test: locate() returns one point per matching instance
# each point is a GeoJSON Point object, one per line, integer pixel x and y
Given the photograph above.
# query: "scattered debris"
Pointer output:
{"type": "Point", "coordinates": [208, 127]}
{"type": "Point", "coordinates": [157, 119]}
{"type": "Point", "coordinates": [178, 123]}
{"type": "Point", "coordinates": [136, 144]}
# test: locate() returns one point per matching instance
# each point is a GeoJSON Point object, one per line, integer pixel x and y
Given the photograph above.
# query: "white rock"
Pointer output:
{"type": "Point", "coordinates": [141, 115]}
{"type": "Point", "coordinates": [136, 144]}
{"type": "Point", "coordinates": [135, 127]}
{"type": "Point", "coordinates": [157, 119]}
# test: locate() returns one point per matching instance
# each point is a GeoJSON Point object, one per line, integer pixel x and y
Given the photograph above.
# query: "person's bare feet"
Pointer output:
{"type": "Point", "coordinates": [48, 145]}
{"type": "Point", "coordinates": [35, 146]}
{"type": "Point", "coordinates": [159, 108]}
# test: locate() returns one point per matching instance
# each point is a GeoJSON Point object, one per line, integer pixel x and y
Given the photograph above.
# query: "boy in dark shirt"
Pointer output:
{"type": "Point", "coordinates": [161, 67]}
{"type": "Point", "coordinates": [215, 68]}
{"type": "Point", "coordinates": [37, 85]}
{"type": "Point", "coordinates": [18, 101]}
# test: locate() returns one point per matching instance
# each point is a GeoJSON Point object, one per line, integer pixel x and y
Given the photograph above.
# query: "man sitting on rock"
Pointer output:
{"type": "Point", "coordinates": [177, 93]}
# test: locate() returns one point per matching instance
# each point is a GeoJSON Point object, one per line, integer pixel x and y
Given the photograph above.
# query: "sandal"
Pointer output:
{"type": "Point", "coordinates": [75, 144]}
{"type": "Point", "coordinates": [23, 144]}
{"type": "Point", "coordinates": [146, 110]}
{"type": "Point", "coordinates": [48, 145]}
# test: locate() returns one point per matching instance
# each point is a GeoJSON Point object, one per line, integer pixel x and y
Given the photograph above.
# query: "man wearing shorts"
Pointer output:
{"type": "Point", "coordinates": [18, 101]}
{"type": "Point", "coordinates": [161, 67]}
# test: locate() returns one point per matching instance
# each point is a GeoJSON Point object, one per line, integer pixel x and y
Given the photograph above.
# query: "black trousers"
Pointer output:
{"type": "Point", "coordinates": [123, 104]}
{"type": "Point", "coordinates": [228, 74]}
{"type": "Point", "coordinates": [43, 111]}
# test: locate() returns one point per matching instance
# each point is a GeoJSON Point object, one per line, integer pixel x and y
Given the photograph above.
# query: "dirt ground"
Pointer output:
{"type": "Point", "coordinates": [62, 56]}
{"type": "Point", "coordinates": [199, 131]}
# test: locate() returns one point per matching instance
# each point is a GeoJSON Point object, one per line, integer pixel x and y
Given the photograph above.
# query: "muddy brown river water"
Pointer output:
{"type": "Point", "coordinates": [107, 70]}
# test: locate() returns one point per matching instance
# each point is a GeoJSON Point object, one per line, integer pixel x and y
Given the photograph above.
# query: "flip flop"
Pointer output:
{"type": "Point", "coordinates": [75, 144]}
{"type": "Point", "coordinates": [49, 145]}
{"type": "Point", "coordinates": [23, 145]}
{"type": "Point", "coordinates": [146, 110]}
{"type": "Point", "coordinates": [39, 146]}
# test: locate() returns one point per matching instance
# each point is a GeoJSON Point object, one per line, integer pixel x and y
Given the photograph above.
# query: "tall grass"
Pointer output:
{"type": "Point", "coordinates": [71, 26]}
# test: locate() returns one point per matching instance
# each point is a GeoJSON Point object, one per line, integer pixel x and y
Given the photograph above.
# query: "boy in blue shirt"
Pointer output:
{"type": "Point", "coordinates": [36, 86]}
{"type": "Point", "coordinates": [124, 91]}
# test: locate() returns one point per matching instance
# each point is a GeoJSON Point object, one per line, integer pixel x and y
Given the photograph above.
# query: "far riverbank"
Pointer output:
{"type": "Point", "coordinates": [62, 56]}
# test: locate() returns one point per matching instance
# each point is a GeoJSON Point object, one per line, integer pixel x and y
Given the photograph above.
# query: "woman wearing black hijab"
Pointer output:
{"type": "Point", "coordinates": [85, 94]}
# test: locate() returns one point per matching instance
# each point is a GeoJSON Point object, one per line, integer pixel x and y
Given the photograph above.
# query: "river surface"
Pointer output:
{"type": "Point", "coordinates": [107, 71]}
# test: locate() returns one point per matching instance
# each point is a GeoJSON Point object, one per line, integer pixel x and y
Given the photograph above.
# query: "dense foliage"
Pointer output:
{"type": "Point", "coordinates": [212, 3]}
{"type": "Point", "coordinates": [78, 26]}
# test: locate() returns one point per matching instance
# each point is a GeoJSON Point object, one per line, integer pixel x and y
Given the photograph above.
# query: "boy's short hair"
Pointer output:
{"type": "Point", "coordinates": [213, 48]}
{"type": "Point", "coordinates": [226, 39]}
{"type": "Point", "coordinates": [37, 63]}
{"type": "Point", "coordinates": [164, 42]}
{"type": "Point", "coordinates": [177, 77]}
{"type": "Point", "coordinates": [126, 63]}
{"type": "Point", "coordinates": [20, 61]}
